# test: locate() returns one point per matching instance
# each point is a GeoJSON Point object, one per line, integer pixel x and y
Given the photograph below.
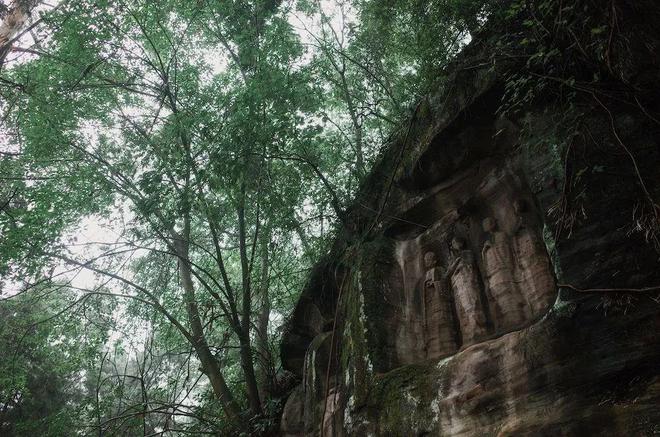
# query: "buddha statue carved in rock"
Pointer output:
{"type": "Point", "coordinates": [534, 273]}
{"type": "Point", "coordinates": [437, 310]}
{"type": "Point", "coordinates": [464, 281]}
{"type": "Point", "coordinates": [508, 307]}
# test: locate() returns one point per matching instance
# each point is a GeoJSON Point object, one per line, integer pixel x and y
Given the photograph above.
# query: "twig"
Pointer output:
{"type": "Point", "coordinates": [332, 344]}
{"type": "Point", "coordinates": [609, 290]}
{"type": "Point", "coordinates": [632, 157]}
{"type": "Point", "coordinates": [645, 112]}
{"type": "Point", "coordinates": [396, 169]}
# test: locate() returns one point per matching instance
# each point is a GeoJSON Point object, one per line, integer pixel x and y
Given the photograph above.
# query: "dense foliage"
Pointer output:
{"type": "Point", "coordinates": [169, 170]}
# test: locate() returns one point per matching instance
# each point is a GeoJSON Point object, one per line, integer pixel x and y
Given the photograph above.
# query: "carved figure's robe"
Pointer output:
{"type": "Point", "coordinates": [465, 287]}
{"type": "Point", "coordinates": [509, 308]}
{"type": "Point", "coordinates": [534, 272]}
{"type": "Point", "coordinates": [438, 316]}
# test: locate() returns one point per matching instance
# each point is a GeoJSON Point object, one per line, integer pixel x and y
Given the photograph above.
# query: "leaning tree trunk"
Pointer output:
{"type": "Point", "coordinates": [210, 365]}
{"type": "Point", "coordinates": [247, 363]}
{"type": "Point", "coordinates": [265, 362]}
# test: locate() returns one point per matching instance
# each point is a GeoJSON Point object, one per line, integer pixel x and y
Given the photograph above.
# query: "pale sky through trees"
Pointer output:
{"type": "Point", "coordinates": [172, 170]}
{"type": "Point", "coordinates": [94, 231]}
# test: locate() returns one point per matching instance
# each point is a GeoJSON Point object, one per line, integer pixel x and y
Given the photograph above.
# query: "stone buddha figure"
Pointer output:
{"type": "Point", "coordinates": [534, 271]}
{"type": "Point", "coordinates": [509, 308]}
{"type": "Point", "coordinates": [434, 273]}
{"type": "Point", "coordinates": [464, 281]}
{"type": "Point", "coordinates": [437, 310]}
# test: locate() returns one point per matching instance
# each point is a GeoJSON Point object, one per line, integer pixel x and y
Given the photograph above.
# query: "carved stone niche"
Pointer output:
{"type": "Point", "coordinates": [317, 398]}
{"type": "Point", "coordinates": [474, 268]}
{"type": "Point", "coordinates": [312, 316]}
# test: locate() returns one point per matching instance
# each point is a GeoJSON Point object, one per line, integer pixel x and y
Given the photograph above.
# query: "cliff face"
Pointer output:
{"type": "Point", "coordinates": [498, 276]}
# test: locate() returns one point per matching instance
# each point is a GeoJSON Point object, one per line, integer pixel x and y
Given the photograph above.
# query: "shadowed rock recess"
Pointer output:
{"type": "Point", "coordinates": [449, 305]}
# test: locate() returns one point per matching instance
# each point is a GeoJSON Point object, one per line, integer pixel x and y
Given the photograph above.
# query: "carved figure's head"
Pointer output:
{"type": "Point", "coordinates": [430, 260]}
{"type": "Point", "coordinates": [489, 224]}
{"type": "Point", "coordinates": [457, 243]}
{"type": "Point", "coordinates": [519, 206]}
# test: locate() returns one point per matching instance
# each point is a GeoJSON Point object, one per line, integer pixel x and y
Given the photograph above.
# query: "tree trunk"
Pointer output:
{"type": "Point", "coordinates": [265, 367]}
{"type": "Point", "coordinates": [357, 127]}
{"type": "Point", "coordinates": [247, 364]}
{"type": "Point", "coordinates": [209, 364]}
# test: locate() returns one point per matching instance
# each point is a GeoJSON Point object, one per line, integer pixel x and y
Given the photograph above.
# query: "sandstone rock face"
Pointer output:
{"type": "Point", "coordinates": [293, 423]}
{"type": "Point", "coordinates": [457, 314]}
{"type": "Point", "coordinates": [449, 298]}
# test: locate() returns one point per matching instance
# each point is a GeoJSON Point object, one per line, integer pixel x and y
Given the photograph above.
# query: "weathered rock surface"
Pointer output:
{"type": "Point", "coordinates": [455, 310]}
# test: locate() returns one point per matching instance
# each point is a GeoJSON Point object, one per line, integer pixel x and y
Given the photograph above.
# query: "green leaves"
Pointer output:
{"type": "Point", "coordinates": [218, 126]}
{"type": "Point", "coordinates": [38, 367]}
